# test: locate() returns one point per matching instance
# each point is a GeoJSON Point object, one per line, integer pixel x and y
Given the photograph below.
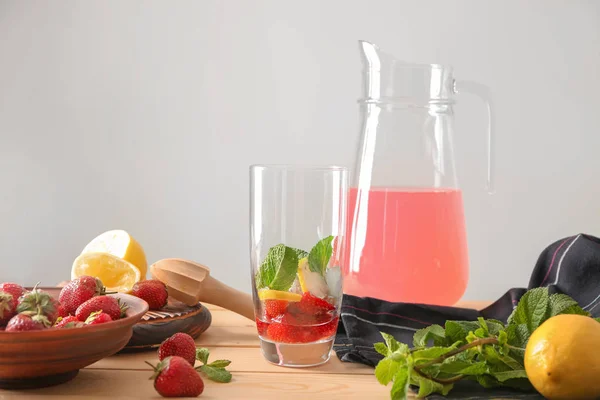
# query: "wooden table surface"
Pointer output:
{"type": "Point", "coordinates": [232, 337]}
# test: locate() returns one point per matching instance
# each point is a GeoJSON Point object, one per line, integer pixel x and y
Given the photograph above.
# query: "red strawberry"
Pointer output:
{"type": "Point", "coordinates": [98, 317]}
{"type": "Point", "coordinates": [39, 302]}
{"type": "Point", "coordinates": [107, 304]}
{"type": "Point", "coordinates": [284, 333]}
{"type": "Point", "coordinates": [275, 308]}
{"type": "Point", "coordinates": [61, 312]}
{"type": "Point", "coordinates": [310, 304]}
{"type": "Point", "coordinates": [175, 377]}
{"type": "Point", "coordinates": [180, 344]}
{"type": "Point", "coordinates": [78, 291]}
{"type": "Point", "coordinates": [13, 289]}
{"type": "Point", "coordinates": [69, 321]}
{"type": "Point", "coordinates": [153, 292]}
{"type": "Point", "coordinates": [8, 307]}
{"type": "Point", "coordinates": [327, 330]}
{"type": "Point", "coordinates": [23, 322]}
{"type": "Point", "coordinates": [261, 327]}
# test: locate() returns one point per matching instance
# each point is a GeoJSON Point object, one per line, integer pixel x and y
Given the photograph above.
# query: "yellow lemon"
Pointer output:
{"type": "Point", "coordinates": [562, 358]}
{"type": "Point", "coordinates": [115, 273]}
{"type": "Point", "coordinates": [121, 244]}
{"type": "Point", "coordinates": [311, 281]}
{"type": "Point", "coordinates": [268, 294]}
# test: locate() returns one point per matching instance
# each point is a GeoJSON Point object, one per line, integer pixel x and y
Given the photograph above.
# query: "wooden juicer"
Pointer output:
{"type": "Point", "coordinates": [191, 283]}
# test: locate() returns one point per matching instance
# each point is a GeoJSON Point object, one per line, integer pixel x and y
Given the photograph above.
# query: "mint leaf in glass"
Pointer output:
{"type": "Point", "coordinates": [278, 270]}
{"type": "Point", "coordinates": [319, 255]}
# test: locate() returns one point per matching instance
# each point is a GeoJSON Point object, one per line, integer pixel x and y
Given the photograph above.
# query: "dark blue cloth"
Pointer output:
{"type": "Point", "coordinates": [570, 265]}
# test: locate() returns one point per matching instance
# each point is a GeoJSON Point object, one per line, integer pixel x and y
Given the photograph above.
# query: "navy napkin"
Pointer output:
{"type": "Point", "coordinates": [570, 265]}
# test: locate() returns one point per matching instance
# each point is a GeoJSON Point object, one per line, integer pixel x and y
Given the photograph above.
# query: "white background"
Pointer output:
{"type": "Point", "coordinates": [144, 115]}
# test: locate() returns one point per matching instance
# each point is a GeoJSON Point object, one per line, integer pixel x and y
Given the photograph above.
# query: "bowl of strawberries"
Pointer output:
{"type": "Point", "coordinates": [48, 334]}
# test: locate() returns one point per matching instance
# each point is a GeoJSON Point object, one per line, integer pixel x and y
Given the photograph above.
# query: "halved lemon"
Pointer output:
{"type": "Point", "coordinates": [115, 273]}
{"type": "Point", "coordinates": [311, 281]}
{"type": "Point", "coordinates": [121, 244]}
{"type": "Point", "coordinates": [268, 294]}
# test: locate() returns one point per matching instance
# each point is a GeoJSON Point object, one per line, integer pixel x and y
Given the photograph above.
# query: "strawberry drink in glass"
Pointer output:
{"type": "Point", "coordinates": [297, 222]}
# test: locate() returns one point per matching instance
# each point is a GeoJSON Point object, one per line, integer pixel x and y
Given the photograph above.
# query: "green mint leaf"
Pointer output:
{"type": "Point", "coordinates": [433, 332]}
{"type": "Point", "coordinates": [454, 365]}
{"type": "Point", "coordinates": [382, 349]}
{"type": "Point", "coordinates": [559, 302]}
{"type": "Point", "coordinates": [216, 374]}
{"type": "Point", "coordinates": [499, 360]}
{"type": "Point", "coordinates": [506, 375]}
{"type": "Point", "coordinates": [495, 326]}
{"type": "Point", "coordinates": [457, 331]}
{"type": "Point", "coordinates": [484, 327]}
{"type": "Point", "coordinates": [502, 338]}
{"type": "Point", "coordinates": [278, 270]}
{"type": "Point", "coordinates": [299, 253]}
{"type": "Point", "coordinates": [597, 319]}
{"type": "Point", "coordinates": [391, 343]}
{"type": "Point", "coordinates": [576, 309]}
{"type": "Point", "coordinates": [202, 354]}
{"type": "Point", "coordinates": [319, 256]}
{"type": "Point", "coordinates": [487, 381]}
{"type": "Point", "coordinates": [386, 369]}
{"type": "Point", "coordinates": [531, 309]}
{"type": "Point", "coordinates": [518, 335]}
{"type": "Point", "coordinates": [431, 353]}
{"type": "Point", "coordinates": [219, 363]}
{"type": "Point", "coordinates": [427, 387]}
{"type": "Point", "coordinates": [401, 381]}
{"type": "Point", "coordinates": [477, 368]}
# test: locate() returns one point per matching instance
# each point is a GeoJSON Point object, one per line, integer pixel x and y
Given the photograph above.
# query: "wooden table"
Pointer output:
{"type": "Point", "coordinates": [232, 337]}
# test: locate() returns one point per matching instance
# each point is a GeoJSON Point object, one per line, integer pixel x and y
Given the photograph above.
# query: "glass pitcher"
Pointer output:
{"type": "Point", "coordinates": [406, 226]}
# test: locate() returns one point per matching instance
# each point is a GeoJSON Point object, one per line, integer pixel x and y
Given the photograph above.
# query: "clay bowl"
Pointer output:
{"type": "Point", "coordinates": [50, 357]}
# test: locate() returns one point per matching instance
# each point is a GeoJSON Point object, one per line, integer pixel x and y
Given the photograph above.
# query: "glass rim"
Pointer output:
{"type": "Point", "coordinates": [299, 167]}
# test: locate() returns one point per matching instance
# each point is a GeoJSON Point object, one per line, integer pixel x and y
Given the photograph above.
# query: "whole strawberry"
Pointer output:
{"type": "Point", "coordinates": [98, 317]}
{"type": "Point", "coordinates": [8, 307]}
{"type": "Point", "coordinates": [180, 344]}
{"type": "Point", "coordinates": [13, 289]}
{"type": "Point", "coordinates": [107, 304]}
{"type": "Point", "coordinates": [69, 321]}
{"type": "Point", "coordinates": [78, 291]}
{"type": "Point", "coordinates": [153, 292]}
{"type": "Point", "coordinates": [175, 377]}
{"type": "Point", "coordinates": [24, 322]}
{"type": "Point", "coordinates": [39, 302]}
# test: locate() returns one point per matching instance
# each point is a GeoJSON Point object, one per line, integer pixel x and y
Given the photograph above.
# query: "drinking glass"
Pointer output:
{"type": "Point", "coordinates": [297, 231]}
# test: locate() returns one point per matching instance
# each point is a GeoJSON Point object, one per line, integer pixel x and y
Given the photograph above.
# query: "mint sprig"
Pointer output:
{"type": "Point", "coordinates": [487, 351]}
{"type": "Point", "coordinates": [215, 370]}
{"type": "Point", "coordinates": [279, 268]}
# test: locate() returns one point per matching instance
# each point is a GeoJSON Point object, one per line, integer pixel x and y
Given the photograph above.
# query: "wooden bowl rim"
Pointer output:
{"type": "Point", "coordinates": [129, 320]}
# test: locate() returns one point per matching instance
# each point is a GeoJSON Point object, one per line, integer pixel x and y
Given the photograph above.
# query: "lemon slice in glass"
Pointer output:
{"type": "Point", "coordinates": [268, 294]}
{"type": "Point", "coordinates": [115, 273]}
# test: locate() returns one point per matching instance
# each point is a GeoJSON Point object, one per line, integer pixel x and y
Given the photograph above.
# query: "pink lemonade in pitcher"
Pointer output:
{"type": "Point", "coordinates": [409, 245]}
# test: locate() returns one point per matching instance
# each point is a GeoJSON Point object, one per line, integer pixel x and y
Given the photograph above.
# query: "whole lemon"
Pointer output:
{"type": "Point", "coordinates": [562, 358]}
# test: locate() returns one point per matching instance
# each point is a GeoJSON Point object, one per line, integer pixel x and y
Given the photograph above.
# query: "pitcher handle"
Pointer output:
{"type": "Point", "coordinates": [484, 93]}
